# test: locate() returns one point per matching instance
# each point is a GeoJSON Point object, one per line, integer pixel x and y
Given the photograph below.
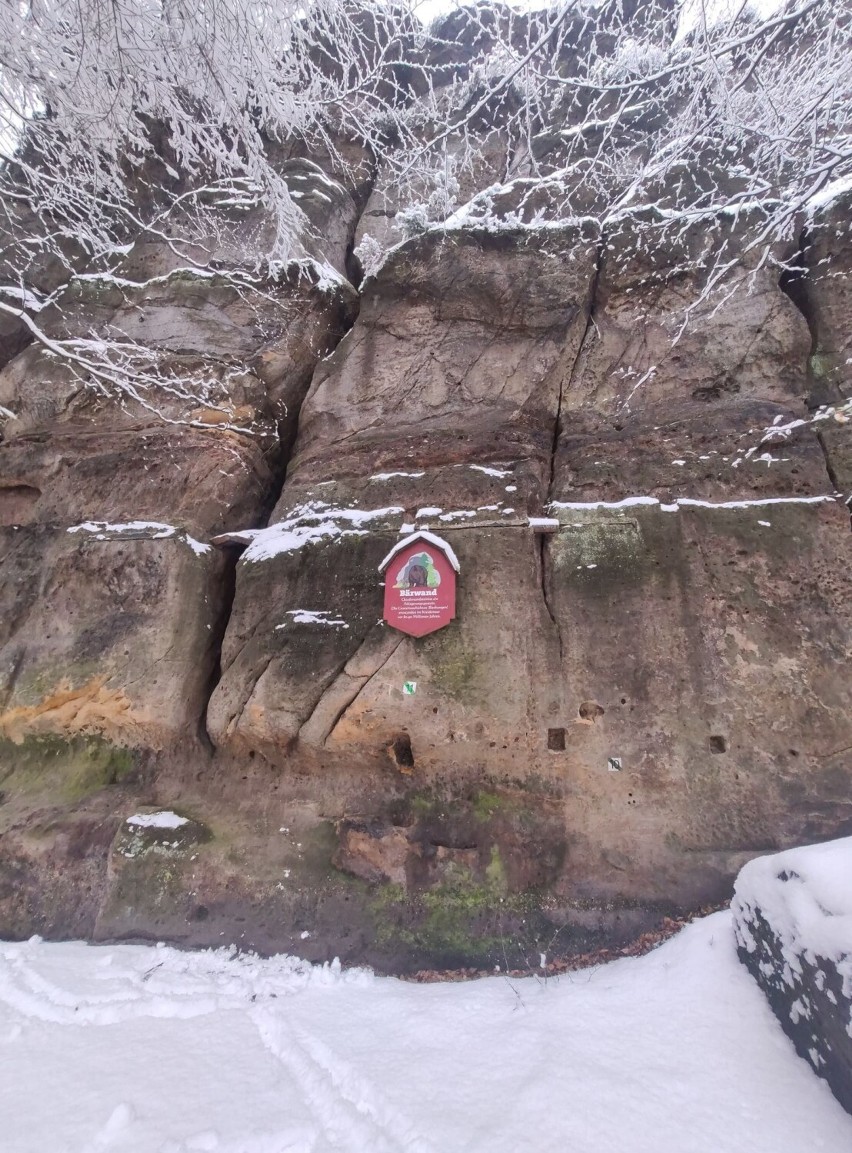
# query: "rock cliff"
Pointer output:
{"type": "Point", "coordinates": [645, 682]}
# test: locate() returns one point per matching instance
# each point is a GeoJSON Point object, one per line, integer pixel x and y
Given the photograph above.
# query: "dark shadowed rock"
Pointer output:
{"type": "Point", "coordinates": [792, 923]}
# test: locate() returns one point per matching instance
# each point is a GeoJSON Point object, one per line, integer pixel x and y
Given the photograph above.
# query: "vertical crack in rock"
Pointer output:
{"type": "Point", "coordinates": [288, 431]}
{"type": "Point", "coordinates": [591, 303]}
{"type": "Point", "coordinates": [794, 283]}
{"type": "Point", "coordinates": [833, 478]}
{"type": "Point", "coordinates": [229, 588]}
{"type": "Point", "coordinates": [829, 467]}
{"type": "Point", "coordinates": [286, 441]}
{"type": "Point", "coordinates": [543, 552]}
{"type": "Point", "coordinates": [543, 576]}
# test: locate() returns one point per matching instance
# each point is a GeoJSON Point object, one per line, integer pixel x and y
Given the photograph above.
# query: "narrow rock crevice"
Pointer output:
{"type": "Point", "coordinates": [794, 282]}
{"type": "Point", "coordinates": [228, 588]}
{"type": "Point", "coordinates": [346, 316]}
{"type": "Point", "coordinates": [345, 310]}
{"type": "Point", "coordinates": [569, 376]}
{"type": "Point", "coordinates": [544, 566]}
{"type": "Point", "coordinates": [265, 509]}
{"type": "Point", "coordinates": [829, 467]}
{"type": "Point", "coordinates": [565, 381]}
{"type": "Point", "coordinates": [833, 478]}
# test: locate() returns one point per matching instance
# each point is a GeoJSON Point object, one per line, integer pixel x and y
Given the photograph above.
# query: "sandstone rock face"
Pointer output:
{"type": "Point", "coordinates": [826, 297]}
{"type": "Point", "coordinates": [643, 684]}
{"type": "Point", "coordinates": [458, 357]}
{"type": "Point", "coordinates": [826, 292]}
{"type": "Point", "coordinates": [681, 379]}
{"type": "Point", "coordinates": [113, 599]}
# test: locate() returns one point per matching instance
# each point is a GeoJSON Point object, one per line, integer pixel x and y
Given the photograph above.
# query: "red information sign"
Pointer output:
{"type": "Point", "coordinates": [420, 584]}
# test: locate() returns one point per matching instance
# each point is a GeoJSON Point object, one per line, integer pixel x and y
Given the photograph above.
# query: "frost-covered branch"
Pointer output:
{"type": "Point", "coordinates": [173, 120]}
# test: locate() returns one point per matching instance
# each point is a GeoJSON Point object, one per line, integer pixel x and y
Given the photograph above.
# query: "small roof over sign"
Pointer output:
{"type": "Point", "coordinates": [430, 538]}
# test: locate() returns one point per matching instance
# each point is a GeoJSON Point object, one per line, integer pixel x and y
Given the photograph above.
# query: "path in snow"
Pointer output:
{"type": "Point", "coordinates": [150, 1050]}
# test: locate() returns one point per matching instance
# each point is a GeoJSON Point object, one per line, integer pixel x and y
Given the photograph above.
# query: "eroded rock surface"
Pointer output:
{"type": "Point", "coordinates": [641, 670]}
{"type": "Point", "coordinates": [114, 601]}
{"type": "Point", "coordinates": [643, 685]}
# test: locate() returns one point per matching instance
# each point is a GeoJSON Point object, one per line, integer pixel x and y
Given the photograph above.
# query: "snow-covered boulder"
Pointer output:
{"type": "Point", "coordinates": [793, 921]}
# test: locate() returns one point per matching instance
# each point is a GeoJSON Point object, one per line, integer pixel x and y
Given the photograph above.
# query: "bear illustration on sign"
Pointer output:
{"type": "Point", "coordinates": [421, 597]}
{"type": "Point", "coordinates": [418, 572]}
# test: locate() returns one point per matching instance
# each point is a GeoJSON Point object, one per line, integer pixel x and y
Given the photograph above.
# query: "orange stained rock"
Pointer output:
{"type": "Point", "coordinates": [88, 708]}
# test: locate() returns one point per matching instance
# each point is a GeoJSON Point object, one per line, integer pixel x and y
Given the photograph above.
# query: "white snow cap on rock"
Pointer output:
{"type": "Point", "coordinates": [805, 895]}
{"type": "Point", "coordinates": [311, 522]}
{"type": "Point", "coordinates": [153, 529]}
{"type": "Point", "coordinates": [165, 820]}
{"type": "Point", "coordinates": [314, 617]}
{"type": "Point", "coordinates": [686, 502]}
{"type": "Point", "coordinates": [391, 475]}
{"type": "Point", "coordinates": [498, 472]}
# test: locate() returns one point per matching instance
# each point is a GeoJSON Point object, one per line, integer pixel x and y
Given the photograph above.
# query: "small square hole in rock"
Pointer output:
{"type": "Point", "coordinates": [556, 740]}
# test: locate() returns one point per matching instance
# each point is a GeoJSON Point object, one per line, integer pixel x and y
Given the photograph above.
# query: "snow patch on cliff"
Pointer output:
{"type": "Point", "coordinates": [312, 522]}
{"type": "Point", "coordinates": [136, 529]}
{"type": "Point", "coordinates": [313, 617]}
{"type": "Point", "coordinates": [163, 820]}
{"type": "Point", "coordinates": [686, 502]}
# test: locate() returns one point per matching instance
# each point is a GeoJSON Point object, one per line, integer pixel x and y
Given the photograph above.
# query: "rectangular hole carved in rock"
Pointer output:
{"type": "Point", "coordinates": [17, 502]}
{"type": "Point", "coordinates": [556, 740]}
{"type": "Point", "coordinates": [401, 751]}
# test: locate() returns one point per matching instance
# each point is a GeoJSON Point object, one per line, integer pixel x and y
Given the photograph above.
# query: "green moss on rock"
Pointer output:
{"type": "Point", "coordinates": [66, 769]}
{"type": "Point", "coordinates": [821, 364]}
{"type": "Point", "coordinates": [459, 921]}
{"type": "Point", "coordinates": [455, 668]}
{"type": "Point", "coordinates": [486, 805]}
{"type": "Point", "coordinates": [602, 549]}
{"type": "Point", "coordinates": [134, 840]}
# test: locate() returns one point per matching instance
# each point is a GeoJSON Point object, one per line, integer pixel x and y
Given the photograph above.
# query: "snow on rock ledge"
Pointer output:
{"type": "Point", "coordinates": [793, 922]}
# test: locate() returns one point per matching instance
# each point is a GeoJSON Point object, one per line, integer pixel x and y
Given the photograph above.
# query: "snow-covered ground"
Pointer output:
{"type": "Point", "coordinates": [150, 1050]}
